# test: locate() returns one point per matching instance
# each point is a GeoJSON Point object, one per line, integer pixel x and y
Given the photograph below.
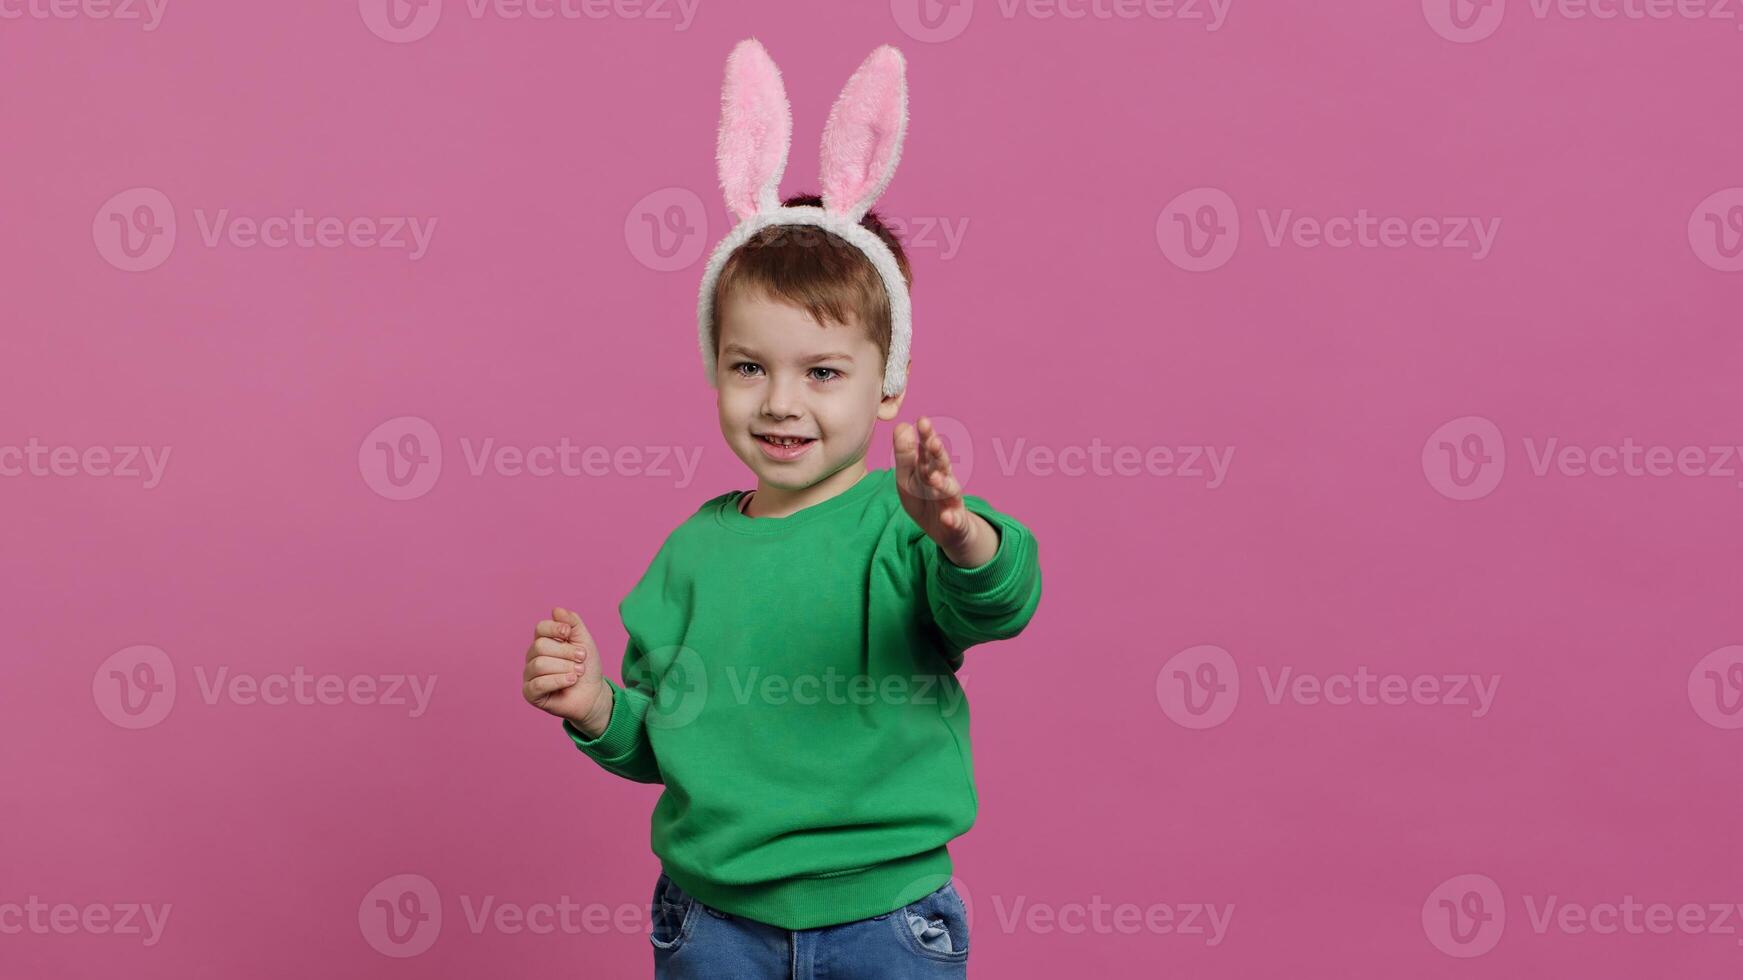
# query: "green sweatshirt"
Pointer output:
{"type": "Point", "coordinates": [791, 680]}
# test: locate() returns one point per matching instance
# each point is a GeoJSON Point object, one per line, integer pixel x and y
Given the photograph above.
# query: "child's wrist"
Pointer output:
{"type": "Point", "coordinates": [597, 718]}
{"type": "Point", "coordinates": [980, 545]}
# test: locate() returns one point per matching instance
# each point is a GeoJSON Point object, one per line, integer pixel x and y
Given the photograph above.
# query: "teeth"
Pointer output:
{"type": "Point", "coordinates": [782, 442]}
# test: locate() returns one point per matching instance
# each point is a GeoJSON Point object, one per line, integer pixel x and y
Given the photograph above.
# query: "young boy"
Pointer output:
{"type": "Point", "coordinates": [790, 671]}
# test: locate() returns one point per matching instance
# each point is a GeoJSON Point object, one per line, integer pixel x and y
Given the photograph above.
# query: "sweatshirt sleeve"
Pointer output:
{"type": "Point", "coordinates": [993, 601]}
{"type": "Point", "coordinates": [623, 748]}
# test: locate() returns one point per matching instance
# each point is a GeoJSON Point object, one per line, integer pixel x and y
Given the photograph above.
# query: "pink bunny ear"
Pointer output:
{"type": "Point", "coordinates": [756, 129]}
{"type": "Point", "coordinates": [863, 139]}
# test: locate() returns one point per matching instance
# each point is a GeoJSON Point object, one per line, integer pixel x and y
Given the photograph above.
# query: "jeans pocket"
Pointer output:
{"type": "Point", "coordinates": [936, 926]}
{"type": "Point", "coordinates": [671, 913]}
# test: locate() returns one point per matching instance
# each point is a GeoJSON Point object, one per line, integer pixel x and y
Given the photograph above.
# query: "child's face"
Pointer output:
{"type": "Point", "coordinates": [773, 377]}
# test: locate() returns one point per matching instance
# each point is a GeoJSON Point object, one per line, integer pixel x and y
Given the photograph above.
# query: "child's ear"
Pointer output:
{"type": "Point", "coordinates": [891, 406]}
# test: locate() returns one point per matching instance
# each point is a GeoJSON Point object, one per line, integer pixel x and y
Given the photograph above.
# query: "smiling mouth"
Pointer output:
{"type": "Point", "coordinates": [790, 441]}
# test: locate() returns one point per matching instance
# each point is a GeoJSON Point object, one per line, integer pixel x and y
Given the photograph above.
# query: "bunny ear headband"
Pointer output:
{"type": "Point", "coordinates": [861, 143]}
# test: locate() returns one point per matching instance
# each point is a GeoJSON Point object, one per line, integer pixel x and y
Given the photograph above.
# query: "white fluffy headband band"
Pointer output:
{"type": "Point", "coordinates": [862, 142]}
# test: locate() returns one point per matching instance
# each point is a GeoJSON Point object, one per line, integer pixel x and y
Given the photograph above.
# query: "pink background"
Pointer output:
{"type": "Point", "coordinates": [538, 314]}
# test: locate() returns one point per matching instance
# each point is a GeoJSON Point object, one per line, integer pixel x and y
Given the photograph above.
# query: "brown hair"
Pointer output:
{"type": "Point", "coordinates": [814, 269]}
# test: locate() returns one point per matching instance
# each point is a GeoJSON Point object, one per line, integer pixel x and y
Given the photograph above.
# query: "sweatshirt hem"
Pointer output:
{"type": "Point", "coordinates": [811, 901]}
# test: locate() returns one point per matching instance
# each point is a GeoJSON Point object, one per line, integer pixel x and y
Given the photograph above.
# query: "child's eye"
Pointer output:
{"type": "Point", "coordinates": [832, 373]}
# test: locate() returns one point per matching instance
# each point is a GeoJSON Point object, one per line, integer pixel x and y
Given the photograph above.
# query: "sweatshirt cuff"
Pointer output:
{"type": "Point", "coordinates": [618, 742]}
{"type": "Point", "coordinates": [1003, 576]}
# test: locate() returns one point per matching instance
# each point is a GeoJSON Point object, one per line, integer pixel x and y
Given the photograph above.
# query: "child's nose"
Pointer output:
{"type": "Point", "coordinates": [781, 396]}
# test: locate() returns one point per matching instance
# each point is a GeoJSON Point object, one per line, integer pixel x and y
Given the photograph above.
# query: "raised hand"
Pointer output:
{"type": "Point", "coordinates": [933, 498]}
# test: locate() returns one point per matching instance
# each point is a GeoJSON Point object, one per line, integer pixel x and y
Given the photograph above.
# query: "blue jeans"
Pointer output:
{"type": "Point", "coordinates": [923, 940]}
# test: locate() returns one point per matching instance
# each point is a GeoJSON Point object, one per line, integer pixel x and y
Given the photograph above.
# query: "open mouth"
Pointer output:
{"type": "Point", "coordinates": [784, 449]}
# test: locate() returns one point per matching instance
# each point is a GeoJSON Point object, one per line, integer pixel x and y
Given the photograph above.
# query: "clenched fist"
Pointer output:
{"type": "Point", "coordinates": [563, 675]}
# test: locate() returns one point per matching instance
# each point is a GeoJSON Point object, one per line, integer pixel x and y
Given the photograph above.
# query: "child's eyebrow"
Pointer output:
{"type": "Point", "coordinates": [813, 359]}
